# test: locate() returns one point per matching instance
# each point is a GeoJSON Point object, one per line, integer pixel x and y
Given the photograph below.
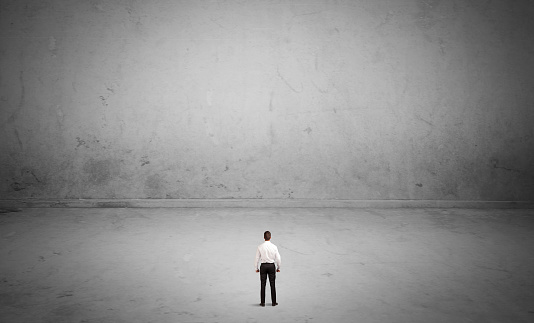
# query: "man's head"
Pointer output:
{"type": "Point", "coordinates": [267, 235]}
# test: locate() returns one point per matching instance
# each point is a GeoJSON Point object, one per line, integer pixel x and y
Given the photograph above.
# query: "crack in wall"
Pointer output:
{"type": "Point", "coordinates": [495, 163]}
{"type": "Point", "coordinates": [18, 139]}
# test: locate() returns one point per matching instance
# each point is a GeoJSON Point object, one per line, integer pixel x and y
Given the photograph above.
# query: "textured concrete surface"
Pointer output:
{"type": "Point", "coordinates": [196, 265]}
{"type": "Point", "coordinates": [365, 99]}
{"type": "Point", "coordinates": [259, 203]}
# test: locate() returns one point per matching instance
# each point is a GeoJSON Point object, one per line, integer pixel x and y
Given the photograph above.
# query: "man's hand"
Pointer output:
{"type": "Point", "coordinates": [278, 270]}
{"type": "Point", "coordinates": [257, 270]}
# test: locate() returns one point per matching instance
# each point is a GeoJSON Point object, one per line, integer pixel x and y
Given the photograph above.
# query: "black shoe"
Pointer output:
{"type": "Point", "coordinates": [262, 304]}
{"type": "Point", "coordinates": [274, 304]}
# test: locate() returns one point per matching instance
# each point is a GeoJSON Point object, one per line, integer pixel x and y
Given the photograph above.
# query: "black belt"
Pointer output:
{"type": "Point", "coordinates": [267, 263]}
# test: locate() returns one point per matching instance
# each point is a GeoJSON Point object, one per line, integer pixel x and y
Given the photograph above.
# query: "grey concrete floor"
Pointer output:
{"type": "Point", "coordinates": [196, 265]}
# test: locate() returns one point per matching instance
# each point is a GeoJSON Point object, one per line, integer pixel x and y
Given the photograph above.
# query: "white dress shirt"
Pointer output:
{"type": "Point", "coordinates": [267, 253]}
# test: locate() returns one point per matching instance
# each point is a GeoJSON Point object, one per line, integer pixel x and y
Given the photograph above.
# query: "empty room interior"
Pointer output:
{"type": "Point", "coordinates": [146, 146]}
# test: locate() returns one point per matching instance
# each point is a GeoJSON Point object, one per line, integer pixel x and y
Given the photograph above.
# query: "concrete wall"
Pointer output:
{"type": "Point", "coordinates": [368, 99]}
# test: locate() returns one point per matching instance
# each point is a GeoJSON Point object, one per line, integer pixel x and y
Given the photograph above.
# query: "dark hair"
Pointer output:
{"type": "Point", "coordinates": [267, 235]}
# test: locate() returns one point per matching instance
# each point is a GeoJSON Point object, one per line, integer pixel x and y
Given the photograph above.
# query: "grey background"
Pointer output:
{"type": "Point", "coordinates": [267, 99]}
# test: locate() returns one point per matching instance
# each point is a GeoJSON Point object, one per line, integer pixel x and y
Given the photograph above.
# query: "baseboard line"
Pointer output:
{"type": "Point", "coordinates": [258, 203]}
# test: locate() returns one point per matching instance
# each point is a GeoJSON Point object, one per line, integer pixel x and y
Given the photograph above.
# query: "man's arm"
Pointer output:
{"type": "Point", "coordinates": [256, 260]}
{"type": "Point", "coordinates": [278, 260]}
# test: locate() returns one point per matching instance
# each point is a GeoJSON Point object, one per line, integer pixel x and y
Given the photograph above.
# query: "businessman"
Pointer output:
{"type": "Point", "coordinates": [267, 254]}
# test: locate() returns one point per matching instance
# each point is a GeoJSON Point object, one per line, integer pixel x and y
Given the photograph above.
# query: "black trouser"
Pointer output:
{"type": "Point", "coordinates": [268, 269]}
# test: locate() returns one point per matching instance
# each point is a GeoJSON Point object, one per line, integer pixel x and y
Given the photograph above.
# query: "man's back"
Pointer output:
{"type": "Point", "coordinates": [267, 253]}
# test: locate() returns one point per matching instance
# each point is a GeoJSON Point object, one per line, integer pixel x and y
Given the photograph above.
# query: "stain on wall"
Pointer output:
{"type": "Point", "coordinates": [327, 99]}
{"type": "Point", "coordinates": [99, 172]}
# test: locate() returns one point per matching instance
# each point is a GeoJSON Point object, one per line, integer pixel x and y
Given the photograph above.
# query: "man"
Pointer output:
{"type": "Point", "coordinates": [267, 254]}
